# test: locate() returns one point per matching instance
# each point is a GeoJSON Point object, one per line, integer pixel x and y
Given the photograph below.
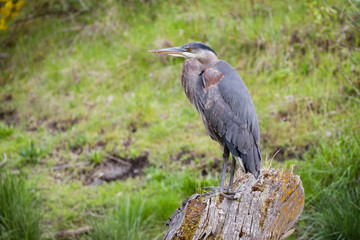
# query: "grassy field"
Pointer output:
{"type": "Point", "coordinates": [78, 89]}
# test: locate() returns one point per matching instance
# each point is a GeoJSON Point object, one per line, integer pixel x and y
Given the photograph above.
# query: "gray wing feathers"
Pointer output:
{"type": "Point", "coordinates": [254, 155]}
{"type": "Point", "coordinates": [235, 93]}
{"type": "Point", "coordinates": [227, 109]}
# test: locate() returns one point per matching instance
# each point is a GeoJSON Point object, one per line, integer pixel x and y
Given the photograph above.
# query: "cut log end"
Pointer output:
{"type": "Point", "coordinates": [266, 208]}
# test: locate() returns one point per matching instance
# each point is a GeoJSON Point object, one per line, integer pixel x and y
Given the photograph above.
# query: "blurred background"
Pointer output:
{"type": "Point", "coordinates": [95, 131]}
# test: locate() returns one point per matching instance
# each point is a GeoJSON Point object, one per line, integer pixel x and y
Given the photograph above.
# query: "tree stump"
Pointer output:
{"type": "Point", "coordinates": [266, 208]}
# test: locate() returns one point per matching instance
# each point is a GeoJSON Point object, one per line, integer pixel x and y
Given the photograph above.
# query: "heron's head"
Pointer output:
{"type": "Point", "coordinates": [196, 50]}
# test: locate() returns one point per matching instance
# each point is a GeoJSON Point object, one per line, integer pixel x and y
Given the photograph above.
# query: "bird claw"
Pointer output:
{"type": "Point", "coordinates": [218, 191]}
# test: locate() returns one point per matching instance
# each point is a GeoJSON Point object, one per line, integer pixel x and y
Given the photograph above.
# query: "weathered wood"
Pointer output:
{"type": "Point", "coordinates": [266, 208]}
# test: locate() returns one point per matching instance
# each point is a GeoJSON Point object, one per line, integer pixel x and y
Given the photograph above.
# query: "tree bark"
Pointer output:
{"type": "Point", "coordinates": [266, 208]}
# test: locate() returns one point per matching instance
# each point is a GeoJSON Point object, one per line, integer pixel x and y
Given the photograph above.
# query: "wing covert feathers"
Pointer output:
{"type": "Point", "coordinates": [211, 77]}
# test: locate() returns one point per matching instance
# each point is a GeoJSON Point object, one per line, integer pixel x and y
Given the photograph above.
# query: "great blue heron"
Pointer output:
{"type": "Point", "coordinates": [224, 103]}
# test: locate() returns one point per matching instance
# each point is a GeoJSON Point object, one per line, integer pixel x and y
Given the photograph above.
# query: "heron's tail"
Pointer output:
{"type": "Point", "coordinates": [252, 160]}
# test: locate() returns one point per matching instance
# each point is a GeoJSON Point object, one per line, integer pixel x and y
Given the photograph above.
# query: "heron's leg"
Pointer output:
{"type": "Point", "coordinates": [220, 189]}
{"type": "Point", "coordinates": [232, 173]}
{"type": "Point", "coordinates": [223, 173]}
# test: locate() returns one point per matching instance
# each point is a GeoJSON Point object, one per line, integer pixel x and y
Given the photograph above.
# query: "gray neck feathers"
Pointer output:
{"type": "Point", "coordinates": [192, 69]}
{"type": "Point", "coordinates": [189, 79]}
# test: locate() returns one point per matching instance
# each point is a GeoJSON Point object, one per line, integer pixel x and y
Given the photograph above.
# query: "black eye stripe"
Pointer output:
{"type": "Point", "coordinates": [189, 47]}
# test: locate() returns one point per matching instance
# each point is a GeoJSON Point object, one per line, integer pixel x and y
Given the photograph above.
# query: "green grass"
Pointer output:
{"type": "Point", "coordinates": [335, 213]}
{"type": "Point", "coordinates": [330, 162]}
{"type": "Point", "coordinates": [143, 215]}
{"type": "Point", "coordinates": [20, 211]}
{"type": "Point", "coordinates": [75, 89]}
{"type": "Point", "coordinates": [124, 222]}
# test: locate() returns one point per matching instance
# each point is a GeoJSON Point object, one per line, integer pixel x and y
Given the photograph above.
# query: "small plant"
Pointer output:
{"type": "Point", "coordinates": [31, 154]}
{"type": "Point", "coordinates": [78, 142]}
{"type": "Point", "coordinates": [20, 212]}
{"type": "Point", "coordinates": [134, 152]}
{"type": "Point", "coordinates": [96, 156]}
{"type": "Point", "coordinates": [5, 130]}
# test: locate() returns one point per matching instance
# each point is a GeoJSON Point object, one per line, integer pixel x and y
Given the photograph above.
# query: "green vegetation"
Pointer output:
{"type": "Point", "coordinates": [334, 210]}
{"type": "Point", "coordinates": [78, 91]}
{"type": "Point", "coordinates": [96, 156]}
{"type": "Point", "coordinates": [20, 211]}
{"type": "Point", "coordinates": [135, 216]}
{"type": "Point", "coordinates": [336, 213]}
{"type": "Point", "coordinates": [124, 222]}
{"type": "Point", "coordinates": [5, 130]}
{"type": "Point", "coordinates": [30, 153]}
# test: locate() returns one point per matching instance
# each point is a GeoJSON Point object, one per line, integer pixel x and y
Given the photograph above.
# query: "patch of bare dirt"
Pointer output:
{"type": "Point", "coordinates": [9, 116]}
{"type": "Point", "coordinates": [8, 97]}
{"type": "Point", "coordinates": [99, 144]}
{"type": "Point", "coordinates": [185, 156]}
{"type": "Point", "coordinates": [282, 154]}
{"type": "Point", "coordinates": [132, 127]}
{"type": "Point", "coordinates": [135, 126]}
{"type": "Point", "coordinates": [33, 125]}
{"type": "Point", "coordinates": [76, 149]}
{"type": "Point", "coordinates": [6, 113]}
{"type": "Point", "coordinates": [127, 142]}
{"type": "Point", "coordinates": [295, 38]}
{"type": "Point", "coordinates": [215, 166]}
{"type": "Point", "coordinates": [299, 108]}
{"type": "Point", "coordinates": [115, 168]}
{"type": "Point", "coordinates": [62, 125]}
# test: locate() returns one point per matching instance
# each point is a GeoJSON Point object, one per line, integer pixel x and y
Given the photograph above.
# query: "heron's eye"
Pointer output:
{"type": "Point", "coordinates": [189, 49]}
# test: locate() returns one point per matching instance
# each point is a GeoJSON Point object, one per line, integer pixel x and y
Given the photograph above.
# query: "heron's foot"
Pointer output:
{"type": "Point", "coordinates": [215, 191]}
{"type": "Point", "coordinates": [228, 190]}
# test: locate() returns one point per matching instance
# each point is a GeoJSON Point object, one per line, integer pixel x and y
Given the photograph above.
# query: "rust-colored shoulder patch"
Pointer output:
{"type": "Point", "coordinates": [211, 77]}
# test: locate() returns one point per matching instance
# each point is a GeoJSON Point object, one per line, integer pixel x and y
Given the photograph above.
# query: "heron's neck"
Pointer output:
{"type": "Point", "coordinates": [208, 61]}
{"type": "Point", "coordinates": [192, 69]}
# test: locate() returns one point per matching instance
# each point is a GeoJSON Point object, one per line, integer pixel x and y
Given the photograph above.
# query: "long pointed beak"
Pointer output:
{"type": "Point", "coordinates": [175, 51]}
